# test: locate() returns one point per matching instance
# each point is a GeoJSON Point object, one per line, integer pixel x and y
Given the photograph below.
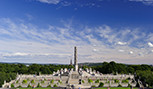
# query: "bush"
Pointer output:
{"type": "Point", "coordinates": [93, 86]}
{"type": "Point", "coordinates": [60, 81]}
{"type": "Point", "coordinates": [12, 85]}
{"type": "Point", "coordinates": [97, 81]}
{"type": "Point", "coordinates": [119, 85]}
{"type": "Point", "coordinates": [125, 81]}
{"type": "Point", "coordinates": [55, 85]}
{"type": "Point", "coordinates": [90, 81]}
{"type": "Point", "coordinates": [38, 85]}
{"type": "Point", "coordinates": [82, 81]}
{"type": "Point", "coordinates": [32, 81]}
{"type": "Point", "coordinates": [129, 85]}
{"type": "Point", "coordinates": [19, 86]}
{"type": "Point", "coordinates": [29, 86]}
{"type": "Point", "coordinates": [17, 81]}
{"type": "Point", "coordinates": [49, 86]}
{"type": "Point", "coordinates": [116, 81]}
{"type": "Point", "coordinates": [24, 81]}
{"type": "Point", "coordinates": [42, 81]}
{"type": "Point", "coordinates": [52, 81]}
{"type": "Point", "coordinates": [101, 84]}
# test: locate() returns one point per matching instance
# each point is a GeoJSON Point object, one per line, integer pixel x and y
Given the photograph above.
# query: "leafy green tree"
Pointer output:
{"type": "Point", "coordinates": [32, 81]}
{"type": "Point", "coordinates": [55, 85]}
{"type": "Point", "coordinates": [52, 81]}
{"type": "Point", "coordinates": [38, 85]}
{"type": "Point", "coordinates": [49, 86]}
{"type": "Point", "coordinates": [12, 85]}
{"type": "Point", "coordinates": [43, 81]}
{"type": "Point", "coordinates": [29, 85]}
{"type": "Point", "coordinates": [97, 81]}
{"type": "Point", "coordinates": [119, 85]}
{"type": "Point", "coordinates": [90, 81]}
{"type": "Point", "coordinates": [101, 84]}
{"type": "Point", "coordinates": [125, 81]}
{"type": "Point", "coordinates": [82, 81]}
{"type": "Point", "coordinates": [116, 80]}
{"type": "Point", "coordinates": [24, 81]}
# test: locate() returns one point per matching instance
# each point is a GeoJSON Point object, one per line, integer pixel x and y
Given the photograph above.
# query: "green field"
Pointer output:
{"type": "Point", "coordinates": [95, 88]}
{"type": "Point", "coordinates": [34, 88]}
{"type": "Point", "coordinates": [117, 88]}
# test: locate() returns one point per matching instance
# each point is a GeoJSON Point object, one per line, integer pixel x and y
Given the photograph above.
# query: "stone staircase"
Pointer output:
{"type": "Point", "coordinates": [73, 81]}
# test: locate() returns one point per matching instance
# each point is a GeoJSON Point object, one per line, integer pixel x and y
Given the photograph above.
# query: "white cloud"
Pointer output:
{"type": "Point", "coordinates": [28, 43]}
{"type": "Point", "coordinates": [121, 43]}
{"type": "Point", "coordinates": [121, 50]}
{"type": "Point", "coordinates": [150, 44]}
{"type": "Point", "coordinates": [95, 50]}
{"type": "Point", "coordinates": [49, 1]}
{"type": "Point", "coordinates": [131, 52]}
{"type": "Point", "coordinates": [146, 2]}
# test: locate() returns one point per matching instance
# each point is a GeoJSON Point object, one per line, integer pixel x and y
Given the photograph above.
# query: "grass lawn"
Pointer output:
{"type": "Point", "coordinates": [34, 88]}
{"type": "Point", "coordinates": [117, 88]}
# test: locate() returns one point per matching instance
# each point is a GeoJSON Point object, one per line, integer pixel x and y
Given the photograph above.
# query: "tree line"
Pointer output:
{"type": "Point", "coordinates": [143, 72]}
{"type": "Point", "coordinates": [9, 71]}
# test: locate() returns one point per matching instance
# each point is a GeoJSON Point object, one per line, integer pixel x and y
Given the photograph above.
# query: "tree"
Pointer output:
{"type": "Point", "coordinates": [29, 85]}
{"type": "Point", "coordinates": [24, 81]}
{"type": "Point", "coordinates": [38, 85]}
{"type": "Point", "coordinates": [82, 81]}
{"type": "Point", "coordinates": [90, 81]}
{"type": "Point", "coordinates": [101, 84]}
{"type": "Point", "coordinates": [52, 81]}
{"type": "Point", "coordinates": [12, 85]}
{"type": "Point", "coordinates": [32, 81]}
{"type": "Point", "coordinates": [55, 85]}
{"type": "Point", "coordinates": [97, 81]}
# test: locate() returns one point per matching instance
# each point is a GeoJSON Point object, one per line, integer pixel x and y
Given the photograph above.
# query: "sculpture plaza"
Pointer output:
{"type": "Point", "coordinates": [68, 78]}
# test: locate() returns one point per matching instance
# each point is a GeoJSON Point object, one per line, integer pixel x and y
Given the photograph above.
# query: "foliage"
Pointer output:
{"type": "Point", "coordinates": [49, 86]}
{"type": "Point", "coordinates": [93, 86]}
{"type": "Point", "coordinates": [116, 80]}
{"type": "Point", "coordinates": [17, 81]}
{"type": "Point", "coordinates": [125, 81]}
{"type": "Point", "coordinates": [55, 85]}
{"type": "Point", "coordinates": [6, 76]}
{"type": "Point", "coordinates": [12, 85]}
{"type": "Point", "coordinates": [90, 81]}
{"type": "Point", "coordinates": [52, 81]}
{"type": "Point", "coordinates": [82, 81]}
{"type": "Point", "coordinates": [108, 81]}
{"type": "Point", "coordinates": [24, 81]}
{"type": "Point", "coordinates": [119, 85]}
{"type": "Point", "coordinates": [29, 85]}
{"type": "Point", "coordinates": [60, 81]}
{"type": "Point", "coordinates": [32, 81]}
{"type": "Point", "coordinates": [145, 77]}
{"type": "Point", "coordinates": [97, 81]}
{"type": "Point", "coordinates": [8, 71]}
{"type": "Point", "coordinates": [42, 81]}
{"type": "Point", "coordinates": [19, 86]}
{"type": "Point", "coordinates": [38, 85]}
{"type": "Point", "coordinates": [129, 85]}
{"type": "Point", "coordinates": [101, 84]}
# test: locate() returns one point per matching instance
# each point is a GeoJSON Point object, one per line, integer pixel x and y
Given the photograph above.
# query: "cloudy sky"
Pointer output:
{"type": "Point", "coordinates": [46, 31]}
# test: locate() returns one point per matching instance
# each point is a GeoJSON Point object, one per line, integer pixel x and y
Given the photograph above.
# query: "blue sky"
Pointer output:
{"type": "Point", "coordinates": [45, 31]}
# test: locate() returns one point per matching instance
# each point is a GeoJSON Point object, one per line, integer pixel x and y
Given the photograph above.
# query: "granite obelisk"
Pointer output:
{"type": "Point", "coordinates": [75, 59]}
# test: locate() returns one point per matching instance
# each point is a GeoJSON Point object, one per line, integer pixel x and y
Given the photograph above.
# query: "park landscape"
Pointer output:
{"type": "Point", "coordinates": [73, 44]}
